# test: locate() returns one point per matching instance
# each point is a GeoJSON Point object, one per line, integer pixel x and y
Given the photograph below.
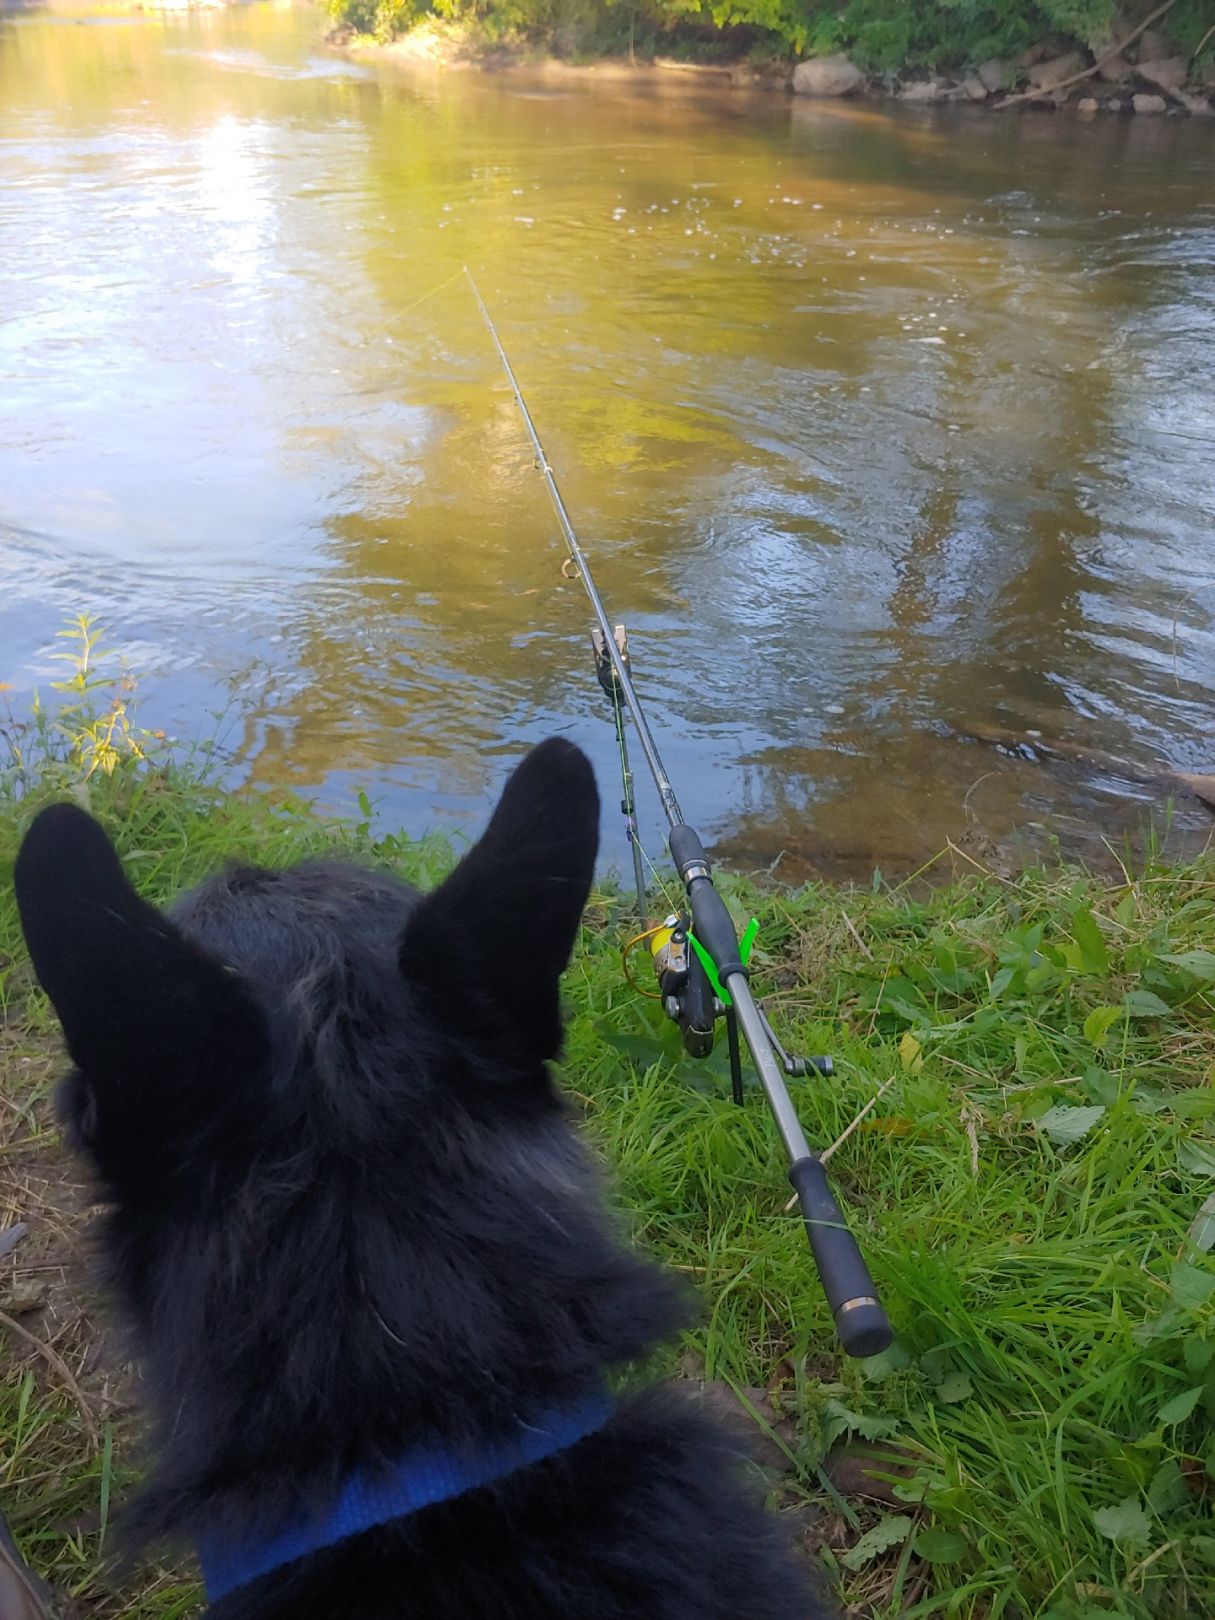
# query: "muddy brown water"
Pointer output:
{"type": "Point", "coordinates": [885, 430]}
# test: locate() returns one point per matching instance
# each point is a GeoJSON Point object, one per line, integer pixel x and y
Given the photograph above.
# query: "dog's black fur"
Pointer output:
{"type": "Point", "coordinates": [347, 1215]}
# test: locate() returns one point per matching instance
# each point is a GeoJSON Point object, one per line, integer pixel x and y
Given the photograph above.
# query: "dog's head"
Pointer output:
{"type": "Point", "coordinates": [206, 1038]}
{"type": "Point", "coordinates": [345, 1205]}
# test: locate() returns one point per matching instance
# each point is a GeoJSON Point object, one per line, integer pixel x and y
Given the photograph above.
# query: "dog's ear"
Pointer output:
{"type": "Point", "coordinates": [167, 1038]}
{"type": "Point", "coordinates": [489, 945]}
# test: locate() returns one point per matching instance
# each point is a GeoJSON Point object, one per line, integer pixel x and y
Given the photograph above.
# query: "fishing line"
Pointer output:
{"type": "Point", "coordinates": [701, 963]}
{"type": "Point", "coordinates": [451, 280]}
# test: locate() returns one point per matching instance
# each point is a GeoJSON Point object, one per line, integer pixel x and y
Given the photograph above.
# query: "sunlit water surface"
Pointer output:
{"type": "Point", "coordinates": [891, 435]}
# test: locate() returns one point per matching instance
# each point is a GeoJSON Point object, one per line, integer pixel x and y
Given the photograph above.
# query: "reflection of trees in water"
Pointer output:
{"type": "Point", "coordinates": [802, 494]}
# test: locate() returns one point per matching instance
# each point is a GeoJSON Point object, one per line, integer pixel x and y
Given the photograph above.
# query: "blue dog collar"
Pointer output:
{"type": "Point", "coordinates": [422, 1478]}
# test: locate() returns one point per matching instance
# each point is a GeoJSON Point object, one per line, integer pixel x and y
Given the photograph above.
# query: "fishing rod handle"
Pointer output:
{"type": "Point", "coordinates": [860, 1321]}
{"type": "Point", "coordinates": [863, 1326]}
{"type": "Point", "coordinates": [712, 922]}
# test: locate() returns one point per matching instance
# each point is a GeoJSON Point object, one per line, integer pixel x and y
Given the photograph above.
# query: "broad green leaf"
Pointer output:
{"type": "Point", "coordinates": [1101, 1086]}
{"type": "Point", "coordinates": [1180, 1407]}
{"type": "Point", "coordinates": [696, 1078]}
{"type": "Point", "coordinates": [1167, 1325]}
{"type": "Point", "coordinates": [870, 1426]}
{"type": "Point", "coordinates": [885, 1363]}
{"type": "Point", "coordinates": [919, 1487]}
{"type": "Point", "coordinates": [1125, 1522]}
{"type": "Point", "coordinates": [1145, 1004]}
{"type": "Point", "coordinates": [1094, 956]}
{"type": "Point", "coordinates": [940, 1546]}
{"type": "Point", "coordinates": [1197, 1354]}
{"type": "Point", "coordinates": [955, 1386]}
{"type": "Point", "coordinates": [901, 988]}
{"type": "Point", "coordinates": [1202, 1227]}
{"type": "Point", "coordinates": [642, 1049]}
{"type": "Point", "coordinates": [903, 1009]}
{"type": "Point", "coordinates": [1024, 941]}
{"type": "Point", "coordinates": [1200, 963]}
{"type": "Point", "coordinates": [1191, 1287]}
{"type": "Point", "coordinates": [886, 1533]}
{"type": "Point", "coordinates": [1001, 981]}
{"type": "Point", "coordinates": [1099, 1022]}
{"type": "Point", "coordinates": [1066, 1124]}
{"type": "Point", "coordinates": [1167, 1488]}
{"type": "Point", "coordinates": [1196, 1156]}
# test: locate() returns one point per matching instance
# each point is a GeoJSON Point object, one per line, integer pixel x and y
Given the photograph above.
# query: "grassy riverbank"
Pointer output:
{"type": "Point", "coordinates": [1029, 1189]}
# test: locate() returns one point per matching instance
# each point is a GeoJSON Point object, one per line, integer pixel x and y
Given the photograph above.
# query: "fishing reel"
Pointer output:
{"type": "Point", "coordinates": [691, 1000]}
{"type": "Point", "coordinates": [688, 986]}
{"type": "Point", "coordinates": [687, 995]}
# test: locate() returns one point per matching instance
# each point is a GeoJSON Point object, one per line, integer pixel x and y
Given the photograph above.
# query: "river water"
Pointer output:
{"type": "Point", "coordinates": [890, 433]}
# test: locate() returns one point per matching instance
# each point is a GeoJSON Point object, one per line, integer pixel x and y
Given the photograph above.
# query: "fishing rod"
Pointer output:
{"type": "Point", "coordinates": [712, 979]}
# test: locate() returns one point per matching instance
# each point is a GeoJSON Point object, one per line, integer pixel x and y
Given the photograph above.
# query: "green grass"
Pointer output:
{"type": "Point", "coordinates": [1025, 1199]}
{"type": "Point", "coordinates": [1028, 1191]}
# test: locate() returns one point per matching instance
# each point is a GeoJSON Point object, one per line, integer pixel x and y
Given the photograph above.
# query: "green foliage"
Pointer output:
{"type": "Point", "coordinates": [1191, 24]}
{"type": "Point", "coordinates": [382, 20]}
{"type": "Point", "coordinates": [886, 1533]}
{"type": "Point", "coordinates": [878, 33]}
{"type": "Point", "coordinates": [1084, 20]}
{"type": "Point", "coordinates": [393, 17]}
{"type": "Point", "coordinates": [356, 15]}
{"type": "Point", "coordinates": [882, 36]}
{"type": "Point", "coordinates": [91, 730]}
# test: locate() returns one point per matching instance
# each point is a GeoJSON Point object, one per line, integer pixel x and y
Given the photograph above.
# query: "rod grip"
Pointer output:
{"type": "Point", "coordinates": [714, 928]}
{"type": "Point", "coordinates": [686, 848]}
{"type": "Point", "coordinates": [860, 1321]}
{"type": "Point", "coordinates": [711, 921]}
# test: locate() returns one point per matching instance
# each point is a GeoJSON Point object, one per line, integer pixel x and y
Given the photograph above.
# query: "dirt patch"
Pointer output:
{"type": "Point", "coordinates": [67, 1407]}
{"type": "Point", "coordinates": [43, 1211]}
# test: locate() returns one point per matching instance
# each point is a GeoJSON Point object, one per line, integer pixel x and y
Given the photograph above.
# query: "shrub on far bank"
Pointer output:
{"type": "Point", "coordinates": [881, 36]}
{"type": "Point", "coordinates": [381, 20]}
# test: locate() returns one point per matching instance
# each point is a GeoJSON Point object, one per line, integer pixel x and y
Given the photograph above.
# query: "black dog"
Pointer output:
{"type": "Point", "coordinates": [364, 1255]}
